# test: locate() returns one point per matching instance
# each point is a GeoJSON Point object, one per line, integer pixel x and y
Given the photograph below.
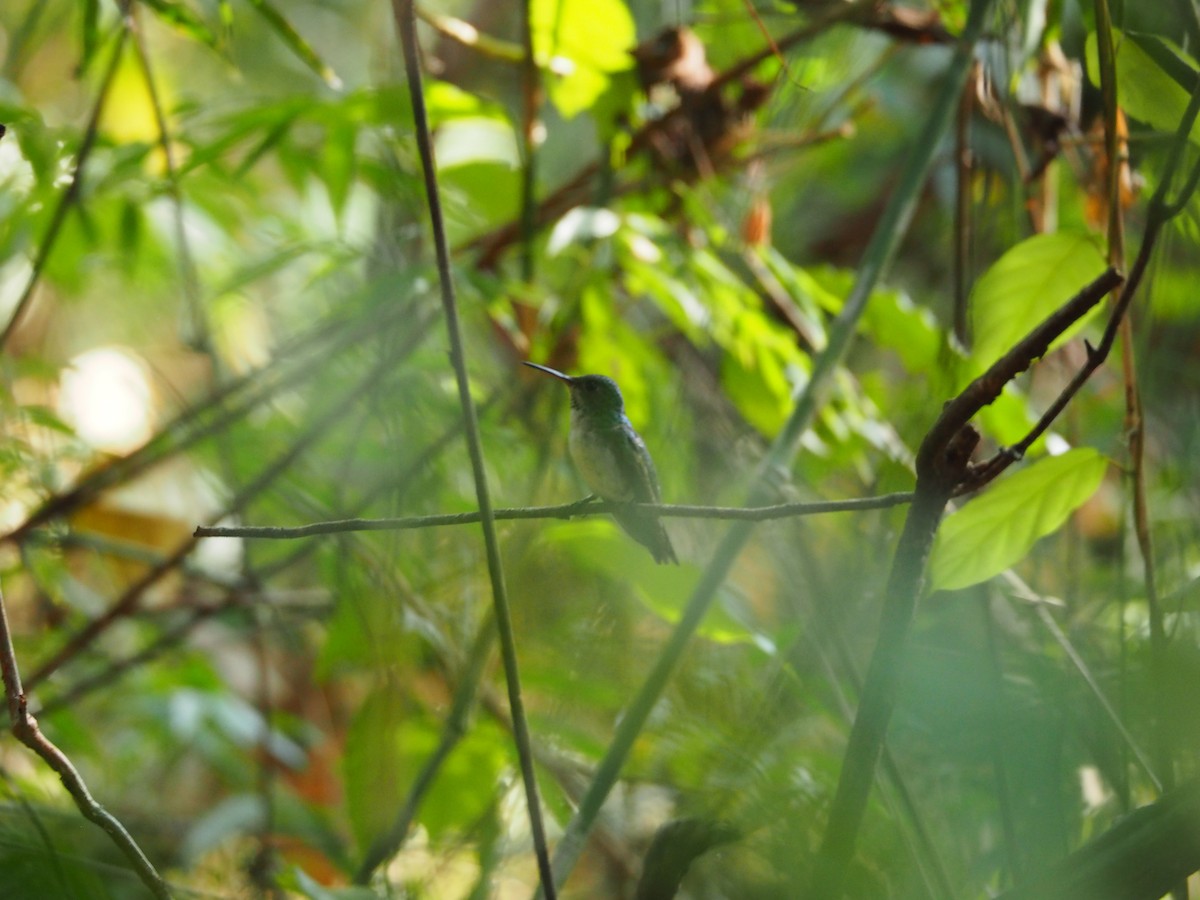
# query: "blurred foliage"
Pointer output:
{"type": "Point", "coordinates": [259, 711]}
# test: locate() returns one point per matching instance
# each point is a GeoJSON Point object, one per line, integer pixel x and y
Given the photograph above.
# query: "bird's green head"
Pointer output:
{"type": "Point", "coordinates": [592, 395]}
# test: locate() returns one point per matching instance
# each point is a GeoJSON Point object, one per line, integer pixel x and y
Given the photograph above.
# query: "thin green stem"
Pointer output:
{"type": "Point", "coordinates": [531, 91]}
{"type": "Point", "coordinates": [69, 196]}
{"type": "Point", "coordinates": [1135, 426]}
{"type": "Point", "coordinates": [195, 326]}
{"type": "Point", "coordinates": [406, 21]}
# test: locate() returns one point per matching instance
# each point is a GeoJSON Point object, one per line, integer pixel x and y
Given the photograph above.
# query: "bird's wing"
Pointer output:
{"type": "Point", "coordinates": [637, 466]}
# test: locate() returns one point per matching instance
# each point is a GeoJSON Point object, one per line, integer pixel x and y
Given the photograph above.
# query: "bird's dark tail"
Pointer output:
{"type": "Point", "coordinates": [647, 530]}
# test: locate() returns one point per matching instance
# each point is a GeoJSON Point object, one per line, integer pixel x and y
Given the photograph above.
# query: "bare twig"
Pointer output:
{"type": "Point", "coordinates": [964, 166]}
{"type": "Point", "coordinates": [988, 386]}
{"type": "Point", "coordinates": [939, 469]}
{"type": "Point", "coordinates": [25, 728]}
{"type": "Point", "coordinates": [464, 33]}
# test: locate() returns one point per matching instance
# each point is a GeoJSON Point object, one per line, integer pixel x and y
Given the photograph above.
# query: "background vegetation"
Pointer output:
{"type": "Point", "coordinates": [221, 307]}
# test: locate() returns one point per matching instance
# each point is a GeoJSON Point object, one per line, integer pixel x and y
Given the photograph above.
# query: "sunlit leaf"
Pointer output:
{"type": "Point", "coordinates": [997, 530]}
{"type": "Point", "coordinates": [580, 225]}
{"type": "Point", "coordinates": [462, 142]}
{"type": "Point", "coordinates": [1024, 286]}
{"type": "Point", "coordinates": [759, 374]}
{"type": "Point", "coordinates": [485, 194]}
{"type": "Point", "coordinates": [468, 781]}
{"type": "Point", "coordinates": [592, 37]}
{"type": "Point", "coordinates": [446, 102]}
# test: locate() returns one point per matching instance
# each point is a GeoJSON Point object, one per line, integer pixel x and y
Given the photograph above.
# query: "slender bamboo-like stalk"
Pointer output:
{"type": "Point", "coordinates": [1135, 425]}
{"type": "Point", "coordinates": [407, 25]}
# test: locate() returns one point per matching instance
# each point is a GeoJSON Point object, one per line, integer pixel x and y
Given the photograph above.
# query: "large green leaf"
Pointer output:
{"type": "Point", "coordinates": [1024, 286]}
{"type": "Point", "coordinates": [995, 531]}
{"type": "Point", "coordinates": [374, 781]}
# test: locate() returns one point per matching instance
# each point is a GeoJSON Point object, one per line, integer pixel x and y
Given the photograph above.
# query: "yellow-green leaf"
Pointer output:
{"type": "Point", "coordinates": [1024, 286]}
{"type": "Point", "coordinates": [996, 530]}
{"type": "Point", "coordinates": [581, 42]}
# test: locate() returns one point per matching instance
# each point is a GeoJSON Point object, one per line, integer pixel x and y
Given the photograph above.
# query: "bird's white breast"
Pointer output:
{"type": "Point", "coordinates": [595, 461]}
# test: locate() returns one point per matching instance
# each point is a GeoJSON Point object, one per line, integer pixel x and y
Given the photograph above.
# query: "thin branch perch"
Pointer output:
{"type": "Point", "coordinates": [561, 511]}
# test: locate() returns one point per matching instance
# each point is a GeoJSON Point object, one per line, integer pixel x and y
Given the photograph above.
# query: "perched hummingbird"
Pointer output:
{"type": "Point", "coordinates": [612, 458]}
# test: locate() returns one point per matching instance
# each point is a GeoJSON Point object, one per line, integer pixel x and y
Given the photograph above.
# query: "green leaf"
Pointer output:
{"type": "Point", "coordinates": [389, 743]}
{"type": "Point", "coordinates": [298, 45]}
{"type": "Point", "coordinates": [760, 373]}
{"type": "Point", "coordinates": [1148, 91]}
{"type": "Point", "coordinates": [996, 530]}
{"type": "Point", "coordinates": [482, 194]}
{"type": "Point", "coordinates": [462, 142]}
{"type": "Point", "coordinates": [1024, 286]}
{"type": "Point", "coordinates": [447, 102]}
{"type": "Point", "coordinates": [371, 766]}
{"type": "Point", "coordinates": [338, 164]}
{"type": "Point", "coordinates": [182, 18]}
{"type": "Point", "coordinates": [581, 42]}
{"type": "Point", "coordinates": [90, 32]}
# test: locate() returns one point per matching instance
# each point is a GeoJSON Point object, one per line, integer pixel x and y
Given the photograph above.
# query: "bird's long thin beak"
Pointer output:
{"type": "Point", "coordinates": [549, 371]}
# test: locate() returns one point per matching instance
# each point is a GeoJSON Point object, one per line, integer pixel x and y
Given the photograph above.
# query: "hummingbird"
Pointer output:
{"type": "Point", "coordinates": [613, 459]}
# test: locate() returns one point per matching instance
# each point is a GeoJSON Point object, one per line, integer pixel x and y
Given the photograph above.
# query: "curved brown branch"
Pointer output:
{"type": "Point", "coordinates": [25, 728]}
